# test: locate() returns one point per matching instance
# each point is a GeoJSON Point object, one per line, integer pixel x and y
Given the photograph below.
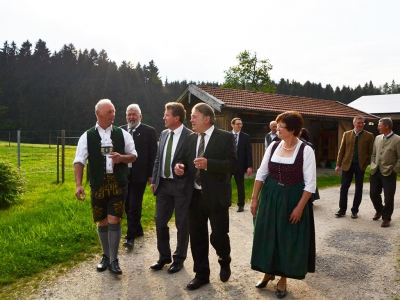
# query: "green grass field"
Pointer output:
{"type": "Point", "coordinates": [48, 227]}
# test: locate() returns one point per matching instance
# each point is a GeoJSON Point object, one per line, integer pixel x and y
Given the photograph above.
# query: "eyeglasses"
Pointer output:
{"type": "Point", "coordinates": [279, 126]}
{"type": "Point", "coordinates": [240, 124]}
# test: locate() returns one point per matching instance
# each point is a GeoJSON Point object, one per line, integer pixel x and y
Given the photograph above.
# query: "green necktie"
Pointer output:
{"type": "Point", "coordinates": [167, 165]}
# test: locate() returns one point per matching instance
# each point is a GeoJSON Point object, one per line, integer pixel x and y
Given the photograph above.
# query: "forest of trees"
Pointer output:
{"type": "Point", "coordinates": [40, 90]}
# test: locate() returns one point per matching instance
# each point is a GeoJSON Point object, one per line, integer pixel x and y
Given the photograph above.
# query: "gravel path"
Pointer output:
{"type": "Point", "coordinates": [356, 259]}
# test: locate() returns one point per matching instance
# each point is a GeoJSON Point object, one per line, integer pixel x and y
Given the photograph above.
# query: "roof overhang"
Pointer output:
{"type": "Point", "coordinates": [202, 95]}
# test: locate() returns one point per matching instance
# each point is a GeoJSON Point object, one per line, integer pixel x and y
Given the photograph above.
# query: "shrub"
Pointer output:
{"type": "Point", "coordinates": [11, 184]}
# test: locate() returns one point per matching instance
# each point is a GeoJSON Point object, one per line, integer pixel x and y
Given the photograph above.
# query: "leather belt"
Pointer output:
{"type": "Point", "coordinates": [167, 179]}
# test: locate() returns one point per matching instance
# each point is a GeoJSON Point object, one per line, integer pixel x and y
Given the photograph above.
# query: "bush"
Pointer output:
{"type": "Point", "coordinates": [11, 184]}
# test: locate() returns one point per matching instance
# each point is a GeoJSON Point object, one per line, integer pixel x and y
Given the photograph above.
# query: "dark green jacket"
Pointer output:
{"type": "Point", "coordinates": [97, 161]}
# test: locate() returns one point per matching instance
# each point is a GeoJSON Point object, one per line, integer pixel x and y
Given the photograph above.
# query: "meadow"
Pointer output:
{"type": "Point", "coordinates": [48, 227]}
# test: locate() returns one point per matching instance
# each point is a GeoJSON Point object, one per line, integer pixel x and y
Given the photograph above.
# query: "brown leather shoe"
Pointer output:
{"type": "Point", "coordinates": [385, 223]}
{"type": "Point", "coordinates": [377, 216]}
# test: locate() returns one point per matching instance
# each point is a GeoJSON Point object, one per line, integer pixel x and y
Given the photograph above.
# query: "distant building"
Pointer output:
{"type": "Point", "coordinates": [381, 106]}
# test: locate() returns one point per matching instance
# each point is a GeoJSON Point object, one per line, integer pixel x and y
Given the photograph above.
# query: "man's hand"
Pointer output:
{"type": "Point", "coordinates": [200, 163]}
{"type": "Point", "coordinates": [80, 193]}
{"type": "Point", "coordinates": [179, 169]}
{"type": "Point", "coordinates": [152, 187]}
{"type": "Point", "coordinates": [249, 171]}
{"type": "Point", "coordinates": [337, 170]}
{"type": "Point", "coordinates": [116, 157]}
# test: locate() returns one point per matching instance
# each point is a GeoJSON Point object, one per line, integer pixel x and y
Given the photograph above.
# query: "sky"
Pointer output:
{"type": "Point", "coordinates": [341, 43]}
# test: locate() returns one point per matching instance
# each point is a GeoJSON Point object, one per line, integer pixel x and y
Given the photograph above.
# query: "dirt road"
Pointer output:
{"type": "Point", "coordinates": [356, 259]}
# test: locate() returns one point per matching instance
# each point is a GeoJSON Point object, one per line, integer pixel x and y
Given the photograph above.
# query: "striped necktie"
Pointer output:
{"type": "Point", "coordinates": [200, 153]}
{"type": "Point", "coordinates": [236, 139]}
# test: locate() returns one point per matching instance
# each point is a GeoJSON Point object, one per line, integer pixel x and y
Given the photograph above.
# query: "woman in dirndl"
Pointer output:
{"type": "Point", "coordinates": [284, 234]}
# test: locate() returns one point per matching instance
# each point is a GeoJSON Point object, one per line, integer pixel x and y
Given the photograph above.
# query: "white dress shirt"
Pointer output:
{"type": "Point", "coordinates": [82, 154]}
{"type": "Point", "coordinates": [309, 168]}
{"type": "Point", "coordinates": [207, 137]}
{"type": "Point", "coordinates": [177, 135]}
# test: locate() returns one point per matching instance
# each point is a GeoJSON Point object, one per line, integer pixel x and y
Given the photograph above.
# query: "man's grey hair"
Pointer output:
{"type": "Point", "coordinates": [387, 122]}
{"type": "Point", "coordinates": [100, 104]}
{"type": "Point", "coordinates": [133, 106]}
{"type": "Point", "coordinates": [206, 110]}
{"type": "Point", "coordinates": [358, 118]}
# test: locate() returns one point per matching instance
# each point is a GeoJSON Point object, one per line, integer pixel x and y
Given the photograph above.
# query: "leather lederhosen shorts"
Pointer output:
{"type": "Point", "coordinates": [109, 199]}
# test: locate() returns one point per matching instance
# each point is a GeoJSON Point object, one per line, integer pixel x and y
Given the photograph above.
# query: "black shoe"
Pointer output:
{"type": "Point", "coordinates": [138, 234]}
{"type": "Point", "coordinates": [340, 214]}
{"type": "Point", "coordinates": [354, 215]}
{"type": "Point", "coordinates": [240, 209]}
{"type": "Point", "coordinates": [114, 267]}
{"type": "Point", "coordinates": [175, 267]}
{"type": "Point", "coordinates": [225, 272]}
{"type": "Point", "coordinates": [377, 216]}
{"type": "Point", "coordinates": [129, 243]}
{"type": "Point", "coordinates": [263, 284]}
{"type": "Point", "coordinates": [196, 283]}
{"type": "Point", "coordinates": [103, 265]}
{"type": "Point", "coordinates": [280, 294]}
{"type": "Point", "coordinates": [160, 264]}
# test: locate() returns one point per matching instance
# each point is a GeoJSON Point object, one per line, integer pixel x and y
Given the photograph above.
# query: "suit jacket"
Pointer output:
{"type": "Point", "coordinates": [244, 153]}
{"type": "Point", "coordinates": [180, 183]}
{"type": "Point", "coordinates": [221, 159]}
{"type": "Point", "coordinates": [346, 150]}
{"type": "Point", "coordinates": [386, 155]}
{"type": "Point", "coordinates": [146, 147]}
{"type": "Point", "coordinates": [269, 140]}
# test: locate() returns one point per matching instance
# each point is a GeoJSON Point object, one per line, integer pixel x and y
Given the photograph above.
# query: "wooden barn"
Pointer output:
{"type": "Point", "coordinates": [326, 120]}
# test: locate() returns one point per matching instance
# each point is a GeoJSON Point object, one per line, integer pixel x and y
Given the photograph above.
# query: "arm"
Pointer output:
{"type": "Point", "coordinates": [130, 152]}
{"type": "Point", "coordinates": [297, 212]}
{"type": "Point", "coordinates": [122, 158]}
{"type": "Point", "coordinates": [78, 172]}
{"type": "Point", "coordinates": [152, 154]}
{"type": "Point", "coordinates": [341, 153]}
{"type": "Point", "coordinates": [310, 181]}
{"type": "Point", "coordinates": [373, 156]}
{"type": "Point", "coordinates": [396, 168]}
{"type": "Point", "coordinates": [226, 162]}
{"type": "Point", "coordinates": [155, 168]}
{"type": "Point", "coordinates": [249, 156]}
{"type": "Point", "coordinates": [254, 197]}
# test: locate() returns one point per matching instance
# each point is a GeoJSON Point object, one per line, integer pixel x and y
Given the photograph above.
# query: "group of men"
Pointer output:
{"type": "Point", "coordinates": [188, 172]}
{"type": "Point", "coordinates": [358, 149]}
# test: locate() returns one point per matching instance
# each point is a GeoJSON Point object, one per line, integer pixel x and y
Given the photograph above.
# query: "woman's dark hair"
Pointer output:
{"type": "Point", "coordinates": [305, 134]}
{"type": "Point", "coordinates": [293, 121]}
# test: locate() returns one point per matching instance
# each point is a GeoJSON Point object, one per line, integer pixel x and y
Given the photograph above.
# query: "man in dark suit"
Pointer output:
{"type": "Point", "coordinates": [140, 172]}
{"type": "Point", "coordinates": [245, 159]}
{"type": "Point", "coordinates": [207, 159]}
{"type": "Point", "coordinates": [272, 135]}
{"type": "Point", "coordinates": [171, 191]}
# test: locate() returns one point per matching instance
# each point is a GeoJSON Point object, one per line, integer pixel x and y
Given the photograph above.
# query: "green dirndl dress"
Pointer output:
{"type": "Point", "coordinates": [280, 247]}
